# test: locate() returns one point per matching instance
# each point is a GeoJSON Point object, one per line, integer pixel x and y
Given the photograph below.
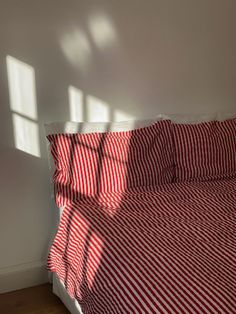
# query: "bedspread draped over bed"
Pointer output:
{"type": "Point", "coordinates": [168, 249]}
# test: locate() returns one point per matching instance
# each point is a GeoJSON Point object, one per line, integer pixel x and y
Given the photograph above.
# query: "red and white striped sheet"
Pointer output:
{"type": "Point", "coordinates": [168, 249]}
{"type": "Point", "coordinates": [87, 164]}
{"type": "Point", "coordinates": [205, 151]}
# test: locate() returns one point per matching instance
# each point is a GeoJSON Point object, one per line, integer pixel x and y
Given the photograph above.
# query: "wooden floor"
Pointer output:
{"type": "Point", "coordinates": [36, 300]}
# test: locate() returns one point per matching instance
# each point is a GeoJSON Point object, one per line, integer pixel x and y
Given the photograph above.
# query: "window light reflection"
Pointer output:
{"type": "Point", "coordinates": [102, 31]}
{"type": "Point", "coordinates": [97, 110]}
{"type": "Point", "coordinates": [21, 80]}
{"type": "Point", "coordinates": [76, 104]}
{"type": "Point", "coordinates": [122, 116]}
{"type": "Point", "coordinates": [26, 134]}
{"type": "Point", "coordinates": [22, 94]}
{"type": "Point", "coordinates": [76, 48]}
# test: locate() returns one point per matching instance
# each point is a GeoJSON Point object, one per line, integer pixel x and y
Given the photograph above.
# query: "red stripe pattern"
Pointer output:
{"type": "Point", "coordinates": [130, 242]}
{"type": "Point", "coordinates": [167, 249]}
{"type": "Point", "coordinates": [205, 151]}
{"type": "Point", "coordinates": [89, 164]}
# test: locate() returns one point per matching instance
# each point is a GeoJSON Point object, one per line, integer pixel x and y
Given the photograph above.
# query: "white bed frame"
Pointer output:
{"type": "Point", "coordinates": [60, 290]}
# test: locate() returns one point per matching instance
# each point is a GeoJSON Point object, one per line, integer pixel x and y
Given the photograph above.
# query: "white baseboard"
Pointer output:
{"type": "Point", "coordinates": [23, 276]}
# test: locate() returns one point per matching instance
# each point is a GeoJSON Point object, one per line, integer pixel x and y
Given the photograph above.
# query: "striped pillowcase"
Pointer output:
{"type": "Point", "coordinates": [88, 164]}
{"type": "Point", "coordinates": [205, 151]}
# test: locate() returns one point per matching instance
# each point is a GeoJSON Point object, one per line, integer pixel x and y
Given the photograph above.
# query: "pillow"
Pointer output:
{"type": "Point", "coordinates": [89, 164]}
{"type": "Point", "coordinates": [197, 118]}
{"type": "Point", "coordinates": [205, 151]}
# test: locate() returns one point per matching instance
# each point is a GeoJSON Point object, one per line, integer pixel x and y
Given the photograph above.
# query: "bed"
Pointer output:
{"type": "Point", "coordinates": [160, 239]}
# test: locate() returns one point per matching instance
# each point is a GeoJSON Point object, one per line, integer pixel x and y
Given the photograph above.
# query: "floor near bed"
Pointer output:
{"type": "Point", "coordinates": [35, 300]}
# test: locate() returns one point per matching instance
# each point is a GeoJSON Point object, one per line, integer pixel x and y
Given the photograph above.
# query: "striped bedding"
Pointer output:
{"type": "Point", "coordinates": [161, 249]}
{"type": "Point", "coordinates": [88, 164]}
{"type": "Point", "coordinates": [205, 151]}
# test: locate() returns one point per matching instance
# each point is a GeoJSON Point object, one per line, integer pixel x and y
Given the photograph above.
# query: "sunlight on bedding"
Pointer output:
{"type": "Point", "coordinates": [22, 95]}
{"type": "Point", "coordinates": [76, 104]}
{"type": "Point", "coordinates": [94, 258]}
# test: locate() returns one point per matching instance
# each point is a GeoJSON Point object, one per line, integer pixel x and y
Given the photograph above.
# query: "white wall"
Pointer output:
{"type": "Point", "coordinates": [139, 57]}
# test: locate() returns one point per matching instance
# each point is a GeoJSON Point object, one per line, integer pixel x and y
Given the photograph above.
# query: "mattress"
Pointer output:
{"type": "Point", "coordinates": [169, 249]}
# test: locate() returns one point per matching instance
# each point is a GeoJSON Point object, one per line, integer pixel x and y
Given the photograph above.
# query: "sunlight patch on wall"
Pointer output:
{"type": "Point", "coordinates": [21, 80]}
{"type": "Point", "coordinates": [102, 31]}
{"type": "Point", "coordinates": [76, 48]}
{"type": "Point", "coordinates": [76, 104]}
{"type": "Point", "coordinates": [25, 133]}
{"type": "Point", "coordinates": [122, 116]}
{"type": "Point", "coordinates": [22, 94]}
{"type": "Point", "coordinates": [97, 110]}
